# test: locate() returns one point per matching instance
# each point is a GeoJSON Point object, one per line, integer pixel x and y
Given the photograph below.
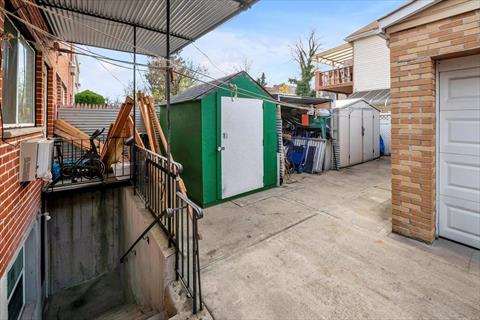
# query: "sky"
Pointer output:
{"type": "Point", "coordinates": [262, 35]}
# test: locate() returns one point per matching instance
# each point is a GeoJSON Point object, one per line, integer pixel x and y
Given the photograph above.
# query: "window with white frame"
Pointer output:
{"type": "Point", "coordinates": [18, 105]}
{"type": "Point", "coordinates": [16, 287]}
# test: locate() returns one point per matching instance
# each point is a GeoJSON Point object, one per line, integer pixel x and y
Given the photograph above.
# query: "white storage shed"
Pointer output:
{"type": "Point", "coordinates": [355, 132]}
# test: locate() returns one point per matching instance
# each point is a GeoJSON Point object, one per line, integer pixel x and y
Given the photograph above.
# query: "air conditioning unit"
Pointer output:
{"type": "Point", "coordinates": [28, 160]}
{"type": "Point", "coordinates": [44, 159]}
{"type": "Point", "coordinates": [36, 160]}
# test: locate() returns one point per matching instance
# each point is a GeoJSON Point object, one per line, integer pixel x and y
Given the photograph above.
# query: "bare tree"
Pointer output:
{"type": "Point", "coordinates": [184, 75]}
{"type": "Point", "coordinates": [244, 65]}
{"type": "Point", "coordinates": [303, 54]}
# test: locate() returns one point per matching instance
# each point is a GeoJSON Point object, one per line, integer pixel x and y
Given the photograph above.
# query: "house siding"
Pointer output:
{"type": "Point", "coordinates": [20, 202]}
{"type": "Point", "coordinates": [413, 55]}
{"type": "Point", "coordinates": [371, 64]}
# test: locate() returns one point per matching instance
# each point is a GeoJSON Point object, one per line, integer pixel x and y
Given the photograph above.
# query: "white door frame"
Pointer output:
{"type": "Point", "coordinates": [460, 63]}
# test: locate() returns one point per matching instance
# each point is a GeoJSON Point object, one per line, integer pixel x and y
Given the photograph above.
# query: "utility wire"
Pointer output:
{"type": "Point", "coordinates": [110, 72]}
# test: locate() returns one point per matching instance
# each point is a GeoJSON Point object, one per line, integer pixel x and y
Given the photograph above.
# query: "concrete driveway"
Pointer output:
{"type": "Point", "coordinates": [321, 248]}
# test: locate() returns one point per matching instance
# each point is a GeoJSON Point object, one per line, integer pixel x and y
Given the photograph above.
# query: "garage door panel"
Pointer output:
{"type": "Point", "coordinates": [459, 150]}
{"type": "Point", "coordinates": [460, 176]}
{"type": "Point", "coordinates": [460, 89]}
{"type": "Point", "coordinates": [460, 132]}
{"type": "Point", "coordinates": [460, 220]}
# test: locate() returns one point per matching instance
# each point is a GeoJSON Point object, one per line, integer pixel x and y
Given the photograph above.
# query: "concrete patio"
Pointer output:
{"type": "Point", "coordinates": [321, 247]}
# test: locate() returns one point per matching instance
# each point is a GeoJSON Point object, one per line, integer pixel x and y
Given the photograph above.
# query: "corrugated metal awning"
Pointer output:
{"type": "Point", "coordinates": [378, 98]}
{"type": "Point", "coordinates": [109, 23]}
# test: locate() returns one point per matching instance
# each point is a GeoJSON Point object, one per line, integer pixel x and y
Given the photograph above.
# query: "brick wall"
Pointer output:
{"type": "Point", "coordinates": [413, 53]}
{"type": "Point", "coordinates": [19, 202]}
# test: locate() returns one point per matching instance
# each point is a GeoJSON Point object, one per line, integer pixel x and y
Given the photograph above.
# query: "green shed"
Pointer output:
{"type": "Point", "coordinates": [226, 141]}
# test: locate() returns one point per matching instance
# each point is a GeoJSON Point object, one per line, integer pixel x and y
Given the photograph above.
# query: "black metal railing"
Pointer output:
{"type": "Point", "coordinates": [72, 163]}
{"type": "Point", "coordinates": [176, 214]}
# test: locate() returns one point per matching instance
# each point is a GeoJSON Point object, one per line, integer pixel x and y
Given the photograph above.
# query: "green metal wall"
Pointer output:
{"type": "Point", "coordinates": [187, 143]}
{"type": "Point", "coordinates": [196, 134]}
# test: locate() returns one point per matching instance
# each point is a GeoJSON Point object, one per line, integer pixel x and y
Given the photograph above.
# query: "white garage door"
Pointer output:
{"type": "Point", "coordinates": [459, 154]}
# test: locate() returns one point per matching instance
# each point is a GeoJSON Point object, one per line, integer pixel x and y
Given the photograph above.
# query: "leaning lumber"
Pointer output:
{"type": "Point", "coordinates": [138, 139]}
{"type": "Point", "coordinates": [147, 119]}
{"type": "Point", "coordinates": [69, 132]}
{"type": "Point", "coordinates": [113, 149]}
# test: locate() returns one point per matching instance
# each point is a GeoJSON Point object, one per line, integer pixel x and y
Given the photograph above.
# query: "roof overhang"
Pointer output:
{"type": "Point", "coordinates": [335, 57]}
{"type": "Point", "coordinates": [110, 24]}
{"type": "Point", "coordinates": [404, 12]}
{"type": "Point", "coordinates": [300, 100]}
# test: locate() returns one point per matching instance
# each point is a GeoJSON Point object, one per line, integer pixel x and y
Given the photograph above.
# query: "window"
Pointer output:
{"type": "Point", "coordinates": [18, 80]}
{"type": "Point", "coordinates": [15, 287]}
{"type": "Point", "coordinates": [64, 94]}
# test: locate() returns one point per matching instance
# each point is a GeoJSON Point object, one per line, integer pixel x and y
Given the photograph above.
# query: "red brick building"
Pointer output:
{"type": "Point", "coordinates": [33, 79]}
{"type": "Point", "coordinates": [435, 99]}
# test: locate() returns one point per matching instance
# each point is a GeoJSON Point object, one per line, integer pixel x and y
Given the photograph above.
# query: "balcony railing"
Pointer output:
{"type": "Point", "coordinates": [335, 79]}
{"type": "Point", "coordinates": [76, 164]}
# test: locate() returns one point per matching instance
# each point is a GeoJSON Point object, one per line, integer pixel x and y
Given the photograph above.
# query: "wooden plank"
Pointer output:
{"type": "Point", "coordinates": [69, 132]}
{"type": "Point", "coordinates": [138, 139]}
{"type": "Point", "coordinates": [110, 153]}
{"type": "Point", "coordinates": [156, 123]}
{"type": "Point", "coordinates": [152, 137]}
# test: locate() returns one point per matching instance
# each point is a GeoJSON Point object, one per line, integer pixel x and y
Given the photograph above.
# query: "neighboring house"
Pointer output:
{"type": "Point", "coordinates": [33, 79]}
{"type": "Point", "coordinates": [360, 68]}
{"type": "Point", "coordinates": [435, 101]}
{"type": "Point", "coordinates": [282, 88]}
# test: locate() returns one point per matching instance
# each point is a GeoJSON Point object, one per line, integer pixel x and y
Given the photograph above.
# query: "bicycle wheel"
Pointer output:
{"type": "Point", "coordinates": [66, 170]}
{"type": "Point", "coordinates": [92, 169]}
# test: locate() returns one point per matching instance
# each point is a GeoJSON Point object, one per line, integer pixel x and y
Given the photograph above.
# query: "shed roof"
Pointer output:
{"type": "Point", "coordinates": [199, 91]}
{"type": "Point", "coordinates": [110, 23]}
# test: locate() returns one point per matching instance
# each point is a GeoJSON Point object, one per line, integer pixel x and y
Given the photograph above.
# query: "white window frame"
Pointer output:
{"type": "Point", "coordinates": [22, 277]}
{"type": "Point", "coordinates": [16, 124]}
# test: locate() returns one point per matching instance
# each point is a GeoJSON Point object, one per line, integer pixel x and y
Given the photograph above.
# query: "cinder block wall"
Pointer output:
{"type": "Point", "coordinates": [413, 55]}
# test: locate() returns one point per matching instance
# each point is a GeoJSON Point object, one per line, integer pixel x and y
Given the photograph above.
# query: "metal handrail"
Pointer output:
{"type": "Point", "coordinates": [155, 221]}
{"type": "Point", "coordinates": [174, 213]}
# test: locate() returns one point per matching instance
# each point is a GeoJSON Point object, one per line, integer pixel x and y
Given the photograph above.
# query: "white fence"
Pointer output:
{"type": "Point", "coordinates": [385, 131]}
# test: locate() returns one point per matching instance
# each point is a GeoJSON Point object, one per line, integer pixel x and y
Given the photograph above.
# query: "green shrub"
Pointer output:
{"type": "Point", "coordinates": [89, 97]}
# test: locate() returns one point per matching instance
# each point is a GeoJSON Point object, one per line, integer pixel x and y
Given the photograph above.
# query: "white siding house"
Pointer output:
{"type": "Point", "coordinates": [371, 64]}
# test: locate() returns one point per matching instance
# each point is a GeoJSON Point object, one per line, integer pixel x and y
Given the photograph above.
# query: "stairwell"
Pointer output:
{"type": "Point", "coordinates": [131, 312]}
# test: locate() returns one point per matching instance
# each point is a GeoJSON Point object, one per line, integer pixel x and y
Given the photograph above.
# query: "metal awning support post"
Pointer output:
{"type": "Point", "coordinates": [134, 157]}
{"type": "Point", "coordinates": [167, 88]}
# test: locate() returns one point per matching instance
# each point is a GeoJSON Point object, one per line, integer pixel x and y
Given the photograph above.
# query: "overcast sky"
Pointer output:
{"type": "Point", "coordinates": [262, 35]}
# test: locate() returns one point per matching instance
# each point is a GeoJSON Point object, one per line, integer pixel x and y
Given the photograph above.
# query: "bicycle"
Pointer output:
{"type": "Point", "coordinates": [88, 166]}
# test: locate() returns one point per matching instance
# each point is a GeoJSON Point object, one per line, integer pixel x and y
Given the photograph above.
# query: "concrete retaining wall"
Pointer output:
{"type": "Point", "coordinates": [151, 266]}
{"type": "Point", "coordinates": [84, 236]}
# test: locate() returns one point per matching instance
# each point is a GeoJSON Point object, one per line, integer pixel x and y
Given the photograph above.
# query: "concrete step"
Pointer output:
{"type": "Point", "coordinates": [128, 312]}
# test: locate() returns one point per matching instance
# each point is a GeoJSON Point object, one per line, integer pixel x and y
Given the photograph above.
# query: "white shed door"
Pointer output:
{"type": "Point", "coordinates": [241, 145]}
{"type": "Point", "coordinates": [459, 154]}
{"type": "Point", "coordinates": [356, 139]}
{"type": "Point", "coordinates": [367, 134]}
